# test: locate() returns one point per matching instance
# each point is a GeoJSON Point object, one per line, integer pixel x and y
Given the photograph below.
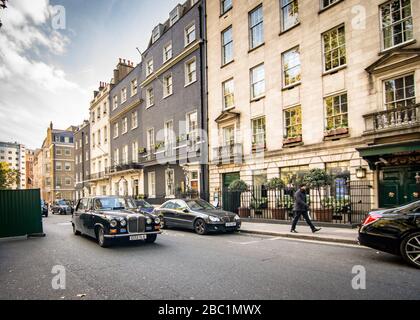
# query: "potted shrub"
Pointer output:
{"type": "Point", "coordinates": [292, 140]}
{"type": "Point", "coordinates": [258, 205]}
{"type": "Point", "coordinates": [318, 179]}
{"type": "Point", "coordinates": [240, 187]}
{"type": "Point", "coordinates": [275, 187]}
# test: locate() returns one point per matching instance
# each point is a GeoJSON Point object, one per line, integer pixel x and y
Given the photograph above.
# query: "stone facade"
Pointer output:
{"type": "Point", "coordinates": [315, 145]}
{"type": "Point", "coordinates": [58, 172]}
{"type": "Point", "coordinates": [82, 159]}
{"type": "Point", "coordinates": [125, 174]}
{"type": "Point", "coordinates": [100, 141]}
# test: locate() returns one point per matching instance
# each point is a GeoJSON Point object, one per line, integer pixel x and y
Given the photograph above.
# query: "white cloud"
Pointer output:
{"type": "Point", "coordinates": [33, 91]}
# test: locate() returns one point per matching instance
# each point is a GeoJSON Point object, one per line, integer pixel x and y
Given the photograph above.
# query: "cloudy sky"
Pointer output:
{"type": "Point", "coordinates": [49, 74]}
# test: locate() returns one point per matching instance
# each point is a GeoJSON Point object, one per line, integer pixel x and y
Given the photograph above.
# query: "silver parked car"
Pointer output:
{"type": "Point", "coordinates": [197, 215]}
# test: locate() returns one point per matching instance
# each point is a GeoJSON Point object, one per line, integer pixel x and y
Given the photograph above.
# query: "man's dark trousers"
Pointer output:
{"type": "Point", "coordinates": [305, 215]}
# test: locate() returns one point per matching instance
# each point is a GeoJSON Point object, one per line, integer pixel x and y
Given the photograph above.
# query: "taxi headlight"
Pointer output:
{"type": "Point", "coordinates": [123, 223]}
{"type": "Point", "coordinates": [149, 221]}
{"type": "Point", "coordinates": [157, 220]}
{"type": "Point", "coordinates": [113, 223]}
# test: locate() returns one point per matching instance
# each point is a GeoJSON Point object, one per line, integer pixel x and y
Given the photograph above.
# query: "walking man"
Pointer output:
{"type": "Point", "coordinates": [301, 209]}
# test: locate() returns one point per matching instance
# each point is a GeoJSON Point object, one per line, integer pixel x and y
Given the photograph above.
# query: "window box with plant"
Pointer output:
{"type": "Point", "coordinates": [336, 131]}
{"type": "Point", "coordinates": [292, 140]}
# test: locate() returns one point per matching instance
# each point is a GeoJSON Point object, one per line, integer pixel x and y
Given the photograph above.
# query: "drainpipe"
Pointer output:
{"type": "Point", "coordinates": [204, 168]}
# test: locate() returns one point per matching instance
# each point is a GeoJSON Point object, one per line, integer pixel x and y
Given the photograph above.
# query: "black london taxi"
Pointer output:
{"type": "Point", "coordinates": [110, 218]}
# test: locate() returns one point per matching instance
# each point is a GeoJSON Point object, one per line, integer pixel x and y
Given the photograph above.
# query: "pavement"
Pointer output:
{"type": "Point", "coordinates": [184, 265]}
{"type": "Point", "coordinates": [327, 234]}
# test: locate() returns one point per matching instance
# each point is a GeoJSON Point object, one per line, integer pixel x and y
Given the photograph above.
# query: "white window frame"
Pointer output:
{"type": "Point", "coordinates": [123, 94]}
{"type": "Point", "coordinates": [170, 192]}
{"type": "Point", "coordinates": [253, 83]}
{"type": "Point", "coordinates": [151, 184]}
{"type": "Point", "coordinates": [134, 87]}
{"type": "Point", "coordinates": [187, 33]}
{"type": "Point", "coordinates": [223, 10]}
{"type": "Point", "coordinates": [135, 152]}
{"type": "Point", "coordinates": [124, 125]}
{"type": "Point", "coordinates": [254, 135]}
{"type": "Point", "coordinates": [283, 11]}
{"type": "Point", "coordinates": [168, 85]}
{"type": "Point", "coordinates": [396, 77]}
{"type": "Point", "coordinates": [224, 95]}
{"type": "Point", "coordinates": [116, 130]}
{"type": "Point", "coordinates": [188, 72]}
{"type": "Point", "coordinates": [134, 120]}
{"type": "Point", "coordinates": [331, 2]}
{"type": "Point", "coordinates": [115, 102]}
{"type": "Point", "coordinates": [149, 67]}
{"type": "Point", "coordinates": [226, 45]}
{"type": "Point", "coordinates": [167, 53]}
{"type": "Point", "coordinates": [324, 54]}
{"type": "Point", "coordinates": [150, 97]}
{"type": "Point", "coordinates": [297, 66]}
{"type": "Point", "coordinates": [401, 21]}
{"type": "Point", "coordinates": [251, 27]}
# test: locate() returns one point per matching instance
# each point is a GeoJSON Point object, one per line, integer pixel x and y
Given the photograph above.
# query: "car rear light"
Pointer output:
{"type": "Point", "coordinates": [371, 218]}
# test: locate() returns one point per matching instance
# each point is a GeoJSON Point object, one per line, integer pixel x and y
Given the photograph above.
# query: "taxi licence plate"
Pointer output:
{"type": "Point", "coordinates": [136, 238]}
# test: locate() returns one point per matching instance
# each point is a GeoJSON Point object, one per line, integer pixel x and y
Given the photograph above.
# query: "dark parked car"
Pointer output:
{"type": "Point", "coordinates": [395, 231]}
{"type": "Point", "coordinates": [61, 207]}
{"type": "Point", "coordinates": [197, 215]}
{"type": "Point", "coordinates": [111, 218]}
{"type": "Point", "coordinates": [144, 206]}
{"type": "Point", "coordinates": [44, 209]}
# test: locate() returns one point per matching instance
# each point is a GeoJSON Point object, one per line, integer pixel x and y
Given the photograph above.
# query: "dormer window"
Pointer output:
{"type": "Point", "coordinates": [174, 16]}
{"type": "Point", "coordinates": [155, 34]}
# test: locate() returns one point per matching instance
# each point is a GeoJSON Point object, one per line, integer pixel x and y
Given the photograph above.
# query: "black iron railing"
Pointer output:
{"type": "Point", "coordinates": [341, 203]}
{"type": "Point", "coordinates": [125, 167]}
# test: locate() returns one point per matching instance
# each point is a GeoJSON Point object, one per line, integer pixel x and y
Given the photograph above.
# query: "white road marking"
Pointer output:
{"type": "Point", "coordinates": [336, 244]}
{"type": "Point", "coordinates": [64, 224]}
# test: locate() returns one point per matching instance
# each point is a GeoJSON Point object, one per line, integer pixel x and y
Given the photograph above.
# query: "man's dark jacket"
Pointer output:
{"type": "Point", "coordinates": [300, 201]}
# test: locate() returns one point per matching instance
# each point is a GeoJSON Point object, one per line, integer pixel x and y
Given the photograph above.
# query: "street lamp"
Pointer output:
{"type": "Point", "coordinates": [360, 173]}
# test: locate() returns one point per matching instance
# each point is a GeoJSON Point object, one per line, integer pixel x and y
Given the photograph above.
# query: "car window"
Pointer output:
{"type": "Point", "coordinates": [200, 205]}
{"type": "Point", "coordinates": [168, 205]}
{"type": "Point", "coordinates": [79, 205]}
{"type": "Point", "coordinates": [409, 208]}
{"type": "Point", "coordinates": [180, 205]}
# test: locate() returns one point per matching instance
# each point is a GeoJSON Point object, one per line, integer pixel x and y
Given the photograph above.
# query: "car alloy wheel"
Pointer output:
{"type": "Point", "coordinates": [411, 249]}
{"type": "Point", "coordinates": [200, 226]}
{"type": "Point", "coordinates": [102, 241]}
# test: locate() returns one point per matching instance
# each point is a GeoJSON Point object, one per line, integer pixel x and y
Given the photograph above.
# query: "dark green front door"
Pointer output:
{"type": "Point", "coordinates": [231, 200]}
{"type": "Point", "coordinates": [397, 186]}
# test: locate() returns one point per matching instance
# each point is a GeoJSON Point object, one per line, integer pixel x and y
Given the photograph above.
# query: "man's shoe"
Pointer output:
{"type": "Point", "coordinates": [294, 231]}
{"type": "Point", "coordinates": [316, 230]}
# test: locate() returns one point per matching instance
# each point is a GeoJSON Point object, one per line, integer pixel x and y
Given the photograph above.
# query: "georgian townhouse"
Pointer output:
{"type": "Point", "coordinates": [82, 160]}
{"type": "Point", "coordinates": [58, 164]}
{"type": "Point", "coordinates": [125, 173]}
{"type": "Point", "coordinates": [173, 150]}
{"type": "Point", "coordinates": [100, 141]}
{"type": "Point", "coordinates": [331, 84]}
